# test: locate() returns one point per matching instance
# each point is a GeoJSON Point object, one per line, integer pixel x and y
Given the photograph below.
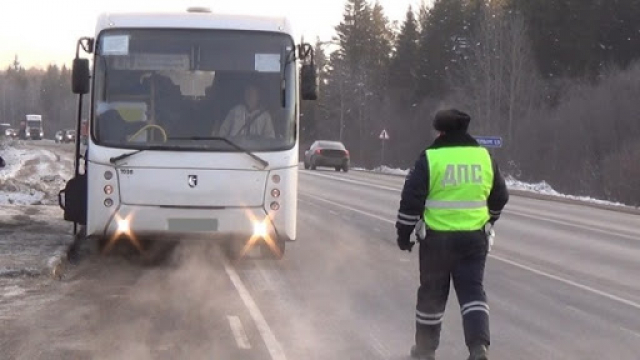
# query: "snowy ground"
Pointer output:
{"type": "Point", "coordinates": [542, 188]}
{"type": "Point", "coordinates": [34, 172]}
{"type": "Point", "coordinates": [32, 230]}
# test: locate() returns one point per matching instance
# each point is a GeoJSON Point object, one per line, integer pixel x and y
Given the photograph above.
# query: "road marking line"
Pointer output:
{"type": "Point", "coordinates": [507, 261]}
{"type": "Point", "coordinates": [573, 224]}
{"type": "Point", "coordinates": [630, 331]}
{"type": "Point", "coordinates": [238, 332]}
{"type": "Point", "coordinates": [569, 282]}
{"type": "Point", "coordinates": [378, 346]}
{"type": "Point", "coordinates": [270, 341]}
{"type": "Point", "coordinates": [356, 182]}
{"type": "Point", "coordinates": [506, 211]}
{"type": "Point", "coordinates": [347, 207]}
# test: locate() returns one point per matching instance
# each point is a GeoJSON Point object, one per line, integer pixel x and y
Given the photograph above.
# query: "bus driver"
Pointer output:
{"type": "Point", "coordinates": [249, 118]}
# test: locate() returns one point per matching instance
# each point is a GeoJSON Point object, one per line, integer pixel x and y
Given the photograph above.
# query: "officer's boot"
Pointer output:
{"type": "Point", "coordinates": [479, 352]}
{"type": "Point", "coordinates": [422, 355]}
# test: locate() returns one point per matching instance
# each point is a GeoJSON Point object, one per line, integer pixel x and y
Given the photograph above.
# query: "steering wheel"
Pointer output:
{"type": "Point", "coordinates": [146, 127]}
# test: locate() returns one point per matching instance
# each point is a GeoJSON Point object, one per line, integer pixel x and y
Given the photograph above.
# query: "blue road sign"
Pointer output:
{"type": "Point", "coordinates": [490, 141]}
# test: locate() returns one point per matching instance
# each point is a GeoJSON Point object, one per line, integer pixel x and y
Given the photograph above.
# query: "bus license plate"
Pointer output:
{"type": "Point", "coordinates": [193, 225]}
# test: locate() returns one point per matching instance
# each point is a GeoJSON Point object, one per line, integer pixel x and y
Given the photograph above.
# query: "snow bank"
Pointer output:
{"type": "Point", "coordinates": [14, 159]}
{"type": "Point", "coordinates": [389, 171]}
{"type": "Point", "coordinates": [33, 175]}
{"type": "Point", "coordinates": [385, 170]}
{"type": "Point", "coordinates": [542, 188]}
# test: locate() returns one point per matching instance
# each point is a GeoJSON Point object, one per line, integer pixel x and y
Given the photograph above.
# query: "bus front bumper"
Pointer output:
{"type": "Point", "coordinates": [150, 222]}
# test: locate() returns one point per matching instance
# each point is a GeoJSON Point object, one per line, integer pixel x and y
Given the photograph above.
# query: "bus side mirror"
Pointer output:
{"type": "Point", "coordinates": [309, 82]}
{"type": "Point", "coordinates": [80, 76]}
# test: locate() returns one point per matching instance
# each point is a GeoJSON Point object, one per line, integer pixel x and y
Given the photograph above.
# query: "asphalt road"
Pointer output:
{"type": "Point", "coordinates": [562, 283]}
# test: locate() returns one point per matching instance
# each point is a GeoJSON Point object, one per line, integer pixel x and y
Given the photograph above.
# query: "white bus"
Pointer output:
{"type": "Point", "coordinates": [193, 131]}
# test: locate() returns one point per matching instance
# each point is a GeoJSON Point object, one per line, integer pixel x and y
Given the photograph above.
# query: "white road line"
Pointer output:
{"type": "Point", "coordinates": [506, 211]}
{"type": "Point", "coordinates": [630, 331]}
{"type": "Point", "coordinates": [507, 261]}
{"type": "Point", "coordinates": [569, 282]}
{"type": "Point", "coordinates": [238, 332]}
{"type": "Point", "coordinates": [347, 207]}
{"type": "Point", "coordinates": [272, 344]}
{"type": "Point", "coordinates": [356, 182]}
{"type": "Point", "coordinates": [378, 346]}
{"type": "Point", "coordinates": [573, 224]}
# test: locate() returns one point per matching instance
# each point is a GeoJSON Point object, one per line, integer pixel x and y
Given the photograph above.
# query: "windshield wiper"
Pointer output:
{"type": "Point", "coordinates": [115, 159]}
{"type": "Point", "coordinates": [260, 160]}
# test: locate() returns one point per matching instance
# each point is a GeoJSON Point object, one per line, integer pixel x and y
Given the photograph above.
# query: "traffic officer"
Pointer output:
{"type": "Point", "coordinates": [452, 197]}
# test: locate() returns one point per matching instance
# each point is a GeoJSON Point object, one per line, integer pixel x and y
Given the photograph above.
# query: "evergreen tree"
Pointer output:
{"type": "Point", "coordinates": [442, 44]}
{"type": "Point", "coordinates": [404, 65]}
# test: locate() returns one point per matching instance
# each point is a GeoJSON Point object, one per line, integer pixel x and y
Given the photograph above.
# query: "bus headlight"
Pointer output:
{"type": "Point", "coordinates": [108, 202]}
{"type": "Point", "coordinates": [108, 189]}
{"type": "Point", "coordinates": [260, 229]}
{"type": "Point", "coordinates": [275, 206]}
{"type": "Point", "coordinates": [275, 193]}
{"type": "Point", "coordinates": [276, 179]}
{"type": "Point", "coordinates": [108, 175]}
{"type": "Point", "coordinates": [123, 226]}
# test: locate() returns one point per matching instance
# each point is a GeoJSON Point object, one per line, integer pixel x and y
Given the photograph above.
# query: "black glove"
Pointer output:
{"type": "Point", "coordinates": [405, 243]}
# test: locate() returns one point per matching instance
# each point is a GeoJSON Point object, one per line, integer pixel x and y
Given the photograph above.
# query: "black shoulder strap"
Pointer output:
{"type": "Point", "coordinates": [248, 122]}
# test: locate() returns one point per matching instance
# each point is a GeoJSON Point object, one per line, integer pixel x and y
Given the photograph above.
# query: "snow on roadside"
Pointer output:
{"type": "Point", "coordinates": [385, 170]}
{"type": "Point", "coordinates": [14, 159]}
{"type": "Point", "coordinates": [32, 175]}
{"type": "Point", "coordinates": [542, 188]}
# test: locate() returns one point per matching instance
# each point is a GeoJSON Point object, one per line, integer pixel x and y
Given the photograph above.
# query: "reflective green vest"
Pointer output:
{"type": "Point", "coordinates": [460, 182]}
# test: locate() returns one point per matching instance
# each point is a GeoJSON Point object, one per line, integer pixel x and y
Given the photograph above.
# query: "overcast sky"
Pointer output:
{"type": "Point", "coordinates": [45, 31]}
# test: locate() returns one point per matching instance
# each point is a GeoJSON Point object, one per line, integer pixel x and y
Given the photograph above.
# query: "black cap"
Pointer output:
{"type": "Point", "coordinates": [451, 120]}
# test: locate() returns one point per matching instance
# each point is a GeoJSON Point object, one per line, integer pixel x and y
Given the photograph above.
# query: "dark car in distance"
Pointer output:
{"type": "Point", "coordinates": [326, 153]}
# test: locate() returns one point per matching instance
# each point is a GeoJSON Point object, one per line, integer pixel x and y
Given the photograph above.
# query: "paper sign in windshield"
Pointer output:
{"type": "Point", "coordinates": [268, 62]}
{"type": "Point", "coordinates": [151, 62]}
{"type": "Point", "coordinates": [115, 45]}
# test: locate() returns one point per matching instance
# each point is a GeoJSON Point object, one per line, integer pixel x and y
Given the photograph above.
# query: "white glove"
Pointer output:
{"type": "Point", "coordinates": [421, 230]}
{"type": "Point", "coordinates": [491, 234]}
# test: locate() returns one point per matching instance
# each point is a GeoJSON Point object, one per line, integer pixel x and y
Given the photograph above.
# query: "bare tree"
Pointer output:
{"type": "Point", "coordinates": [499, 83]}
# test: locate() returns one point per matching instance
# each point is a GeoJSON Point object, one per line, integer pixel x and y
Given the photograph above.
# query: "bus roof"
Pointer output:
{"type": "Point", "coordinates": [193, 20]}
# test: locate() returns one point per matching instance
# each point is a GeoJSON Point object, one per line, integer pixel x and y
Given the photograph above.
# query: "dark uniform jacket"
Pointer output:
{"type": "Point", "coordinates": [416, 186]}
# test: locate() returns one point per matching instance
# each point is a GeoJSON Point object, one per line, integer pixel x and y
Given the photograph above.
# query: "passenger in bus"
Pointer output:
{"type": "Point", "coordinates": [113, 128]}
{"type": "Point", "coordinates": [249, 118]}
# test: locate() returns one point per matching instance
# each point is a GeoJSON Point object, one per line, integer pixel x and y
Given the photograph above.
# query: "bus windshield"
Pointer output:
{"type": "Point", "coordinates": [181, 88]}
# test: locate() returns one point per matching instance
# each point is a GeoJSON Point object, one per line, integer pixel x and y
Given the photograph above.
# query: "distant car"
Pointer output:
{"type": "Point", "coordinates": [5, 130]}
{"type": "Point", "coordinates": [10, 133]}
{"type": "Point", "coordinates": [70, 136]}
{"type": "Point", "coordinates": [328, 154]}
{"type": "Point", "coordinates": [65, 136]}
